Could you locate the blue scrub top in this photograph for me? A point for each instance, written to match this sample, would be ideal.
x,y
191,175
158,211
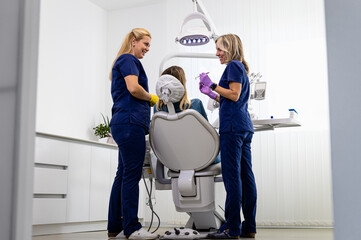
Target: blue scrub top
x,y
234,116
126,108
196,104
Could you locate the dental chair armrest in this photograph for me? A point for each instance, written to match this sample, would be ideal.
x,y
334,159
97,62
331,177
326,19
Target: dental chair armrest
x,y
211,170
186,183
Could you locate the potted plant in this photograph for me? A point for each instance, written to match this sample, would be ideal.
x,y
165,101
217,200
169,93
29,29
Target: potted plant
x,y
103,131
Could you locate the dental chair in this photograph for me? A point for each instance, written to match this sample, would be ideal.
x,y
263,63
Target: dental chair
x,y
186,144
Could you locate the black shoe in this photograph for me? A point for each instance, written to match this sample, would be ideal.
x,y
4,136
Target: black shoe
x,y
114,234
248,235
222,235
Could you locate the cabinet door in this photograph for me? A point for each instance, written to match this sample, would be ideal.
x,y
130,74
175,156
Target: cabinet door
x,y
113,166
49,210
50,181
78,183
50,151
99,183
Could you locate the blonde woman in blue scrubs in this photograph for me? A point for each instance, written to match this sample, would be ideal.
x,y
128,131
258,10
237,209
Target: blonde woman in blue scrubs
x,y
129,125
236,132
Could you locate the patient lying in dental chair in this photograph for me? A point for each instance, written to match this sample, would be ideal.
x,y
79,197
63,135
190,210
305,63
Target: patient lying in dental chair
x,y
176,72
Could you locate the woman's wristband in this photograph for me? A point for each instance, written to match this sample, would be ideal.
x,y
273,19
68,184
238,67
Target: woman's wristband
x,y
213,86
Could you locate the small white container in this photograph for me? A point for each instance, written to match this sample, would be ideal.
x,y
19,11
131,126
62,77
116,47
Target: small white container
x,y
293,113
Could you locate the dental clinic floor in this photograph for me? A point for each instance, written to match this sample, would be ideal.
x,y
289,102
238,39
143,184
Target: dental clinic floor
x,y
262,234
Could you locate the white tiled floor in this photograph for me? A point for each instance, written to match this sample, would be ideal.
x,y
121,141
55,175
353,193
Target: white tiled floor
x,y
262,234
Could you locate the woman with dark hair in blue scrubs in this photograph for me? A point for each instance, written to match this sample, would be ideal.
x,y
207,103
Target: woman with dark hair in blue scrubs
x,y
236,132
129,125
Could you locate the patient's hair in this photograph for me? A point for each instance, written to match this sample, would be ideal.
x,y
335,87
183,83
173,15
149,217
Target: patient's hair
x,y
179,74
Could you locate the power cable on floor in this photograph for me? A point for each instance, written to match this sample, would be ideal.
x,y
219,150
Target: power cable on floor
x,y
150,204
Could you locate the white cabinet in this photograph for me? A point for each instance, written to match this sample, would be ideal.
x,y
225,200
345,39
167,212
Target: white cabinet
x,y
50,181
72,180
49,210
113,167
99,184
51,151
77,209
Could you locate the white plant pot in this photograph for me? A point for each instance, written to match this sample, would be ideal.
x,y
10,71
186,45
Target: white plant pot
x,y
103,140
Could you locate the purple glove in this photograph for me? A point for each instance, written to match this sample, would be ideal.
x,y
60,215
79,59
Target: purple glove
x,y
207,91
205,79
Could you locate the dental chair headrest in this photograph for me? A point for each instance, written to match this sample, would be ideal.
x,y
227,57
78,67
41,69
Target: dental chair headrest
x,y
169,89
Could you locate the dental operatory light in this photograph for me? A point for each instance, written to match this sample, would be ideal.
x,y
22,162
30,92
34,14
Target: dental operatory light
x,y
196,36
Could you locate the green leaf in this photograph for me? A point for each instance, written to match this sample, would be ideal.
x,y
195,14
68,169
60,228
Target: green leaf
x,y
103,129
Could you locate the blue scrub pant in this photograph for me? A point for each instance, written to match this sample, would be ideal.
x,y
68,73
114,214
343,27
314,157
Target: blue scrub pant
x,y
239,182
124,198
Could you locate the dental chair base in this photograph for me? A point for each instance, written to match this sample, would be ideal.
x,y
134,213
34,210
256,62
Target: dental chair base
x,y
205,221
183,233
193,192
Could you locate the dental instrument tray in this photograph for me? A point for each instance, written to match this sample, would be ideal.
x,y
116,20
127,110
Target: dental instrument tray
x,y
271,124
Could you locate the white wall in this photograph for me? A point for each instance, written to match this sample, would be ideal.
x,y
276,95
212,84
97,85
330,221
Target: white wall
x,y
285,41
8,62
344,58
151,17
19,22
72,82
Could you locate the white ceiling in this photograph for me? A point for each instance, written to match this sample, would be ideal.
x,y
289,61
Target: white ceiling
x,y
117,4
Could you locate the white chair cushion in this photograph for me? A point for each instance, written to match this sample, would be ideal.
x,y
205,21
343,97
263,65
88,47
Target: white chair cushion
x,y
183,141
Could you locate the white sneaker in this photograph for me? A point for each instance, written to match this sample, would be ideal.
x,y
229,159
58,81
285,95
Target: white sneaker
x,y
143,234
119,236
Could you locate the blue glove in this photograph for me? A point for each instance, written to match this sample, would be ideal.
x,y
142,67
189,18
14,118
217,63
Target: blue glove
x,y
205,79
207,91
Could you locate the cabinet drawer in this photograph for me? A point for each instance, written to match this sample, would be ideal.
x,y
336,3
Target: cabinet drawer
x,y
49,210
50,151
50,181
